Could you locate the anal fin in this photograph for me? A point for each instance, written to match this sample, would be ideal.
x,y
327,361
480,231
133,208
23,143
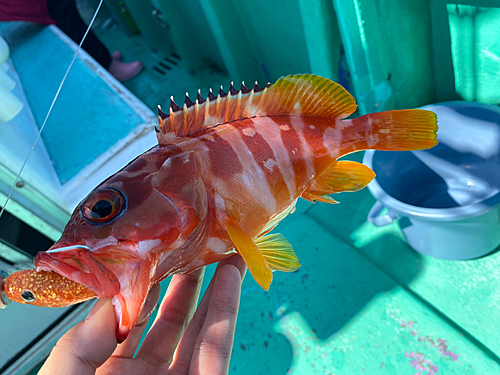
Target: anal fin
x,y
315,196
250,253
278,252
343,176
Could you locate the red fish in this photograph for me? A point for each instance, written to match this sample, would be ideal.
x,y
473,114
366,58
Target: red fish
x,y
226,171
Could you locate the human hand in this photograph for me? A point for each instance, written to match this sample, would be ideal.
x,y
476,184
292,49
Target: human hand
x,y
182,340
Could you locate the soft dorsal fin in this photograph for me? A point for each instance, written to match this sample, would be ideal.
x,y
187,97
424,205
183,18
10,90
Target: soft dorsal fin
x,y
302,94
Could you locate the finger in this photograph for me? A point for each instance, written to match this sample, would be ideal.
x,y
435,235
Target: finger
x,y
215,342
237,261
184,352
129,346
175,312
86,346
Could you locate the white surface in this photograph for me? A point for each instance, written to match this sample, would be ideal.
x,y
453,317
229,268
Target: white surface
x,y
11,105
4,50
5,81
124,151
16,139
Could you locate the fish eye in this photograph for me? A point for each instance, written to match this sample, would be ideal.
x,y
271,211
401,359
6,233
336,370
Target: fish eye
x,y
103,206
28,296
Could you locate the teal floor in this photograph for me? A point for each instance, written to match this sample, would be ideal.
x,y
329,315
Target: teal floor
x,y
365,302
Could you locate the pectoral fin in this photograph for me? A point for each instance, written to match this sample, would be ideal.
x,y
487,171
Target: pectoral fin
x,y
248,250
342,176
278,252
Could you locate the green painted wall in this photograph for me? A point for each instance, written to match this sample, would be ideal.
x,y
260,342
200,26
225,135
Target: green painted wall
x,y
322,37
258,40
276,36
388,43
388,49
157,33
475,49
465,49
191,33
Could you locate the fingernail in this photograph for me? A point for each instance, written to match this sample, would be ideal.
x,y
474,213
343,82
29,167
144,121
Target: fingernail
x,y
243,275
99,304
144,319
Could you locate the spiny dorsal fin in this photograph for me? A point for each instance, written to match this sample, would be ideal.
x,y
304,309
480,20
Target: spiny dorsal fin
x,y
302,94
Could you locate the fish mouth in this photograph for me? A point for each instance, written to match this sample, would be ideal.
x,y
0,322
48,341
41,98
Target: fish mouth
x,y
114,271
79,264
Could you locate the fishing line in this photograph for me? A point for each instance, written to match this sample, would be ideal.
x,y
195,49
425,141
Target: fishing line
x,y
50,108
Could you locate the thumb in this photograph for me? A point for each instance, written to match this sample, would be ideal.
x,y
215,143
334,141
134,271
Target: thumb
x,y
86,346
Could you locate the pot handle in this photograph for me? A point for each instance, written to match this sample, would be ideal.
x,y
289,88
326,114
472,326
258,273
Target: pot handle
x,y
375,217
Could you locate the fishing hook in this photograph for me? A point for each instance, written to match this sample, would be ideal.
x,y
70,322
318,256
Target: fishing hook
x,y
4,300
67,248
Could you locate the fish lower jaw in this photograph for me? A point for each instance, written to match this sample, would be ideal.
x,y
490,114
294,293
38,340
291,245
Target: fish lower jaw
x,y
71,277
93,276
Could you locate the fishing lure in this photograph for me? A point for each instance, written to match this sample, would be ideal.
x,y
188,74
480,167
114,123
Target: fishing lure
x,y
44,288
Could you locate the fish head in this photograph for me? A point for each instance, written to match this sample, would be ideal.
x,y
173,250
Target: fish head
x,y
117,234
158,201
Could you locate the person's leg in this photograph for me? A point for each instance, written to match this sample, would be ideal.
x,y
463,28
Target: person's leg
x,y
67,18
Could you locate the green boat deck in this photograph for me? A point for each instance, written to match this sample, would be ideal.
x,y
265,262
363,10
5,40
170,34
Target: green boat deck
x,y
364,302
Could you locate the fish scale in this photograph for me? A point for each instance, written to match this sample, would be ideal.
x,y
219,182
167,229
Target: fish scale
x,y
263,153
